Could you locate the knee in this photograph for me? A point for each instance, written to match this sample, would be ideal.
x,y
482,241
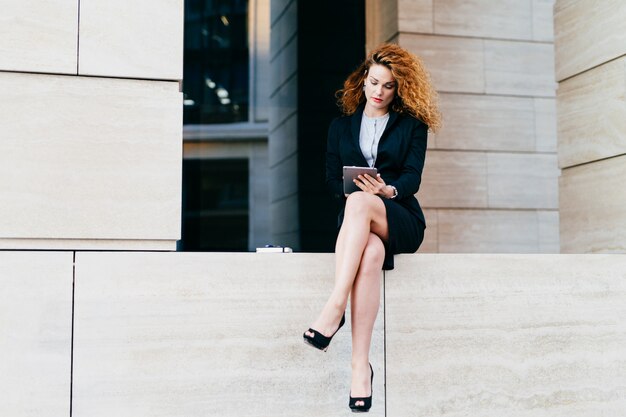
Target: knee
x,y
374,254
360,202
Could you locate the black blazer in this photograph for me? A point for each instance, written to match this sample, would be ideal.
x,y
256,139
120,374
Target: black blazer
x,y
400,158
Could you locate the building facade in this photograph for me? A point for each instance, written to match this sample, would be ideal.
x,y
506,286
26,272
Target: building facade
x,y
490,182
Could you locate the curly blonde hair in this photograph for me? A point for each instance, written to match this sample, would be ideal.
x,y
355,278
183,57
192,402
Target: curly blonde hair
x,y
414,93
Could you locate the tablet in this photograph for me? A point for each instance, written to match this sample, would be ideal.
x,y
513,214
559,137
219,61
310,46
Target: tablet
x,y
350,173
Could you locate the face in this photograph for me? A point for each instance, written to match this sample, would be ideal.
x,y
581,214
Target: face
x,y
380,89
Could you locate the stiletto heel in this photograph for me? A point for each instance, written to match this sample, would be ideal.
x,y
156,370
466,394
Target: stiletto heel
x,y
318,340
367,401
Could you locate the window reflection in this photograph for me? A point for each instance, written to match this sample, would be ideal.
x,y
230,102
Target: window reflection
x,y
215,79
215,205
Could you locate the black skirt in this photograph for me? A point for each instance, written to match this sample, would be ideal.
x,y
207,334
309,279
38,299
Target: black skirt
x,y
406,232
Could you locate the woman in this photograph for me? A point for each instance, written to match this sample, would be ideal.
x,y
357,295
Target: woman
x,y
388,105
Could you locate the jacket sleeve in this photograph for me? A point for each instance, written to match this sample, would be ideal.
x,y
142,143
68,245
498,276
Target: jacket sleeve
x,y
411,176
334,166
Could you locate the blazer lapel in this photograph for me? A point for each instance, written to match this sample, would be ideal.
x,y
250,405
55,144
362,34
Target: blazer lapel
x,y
355,129
393,116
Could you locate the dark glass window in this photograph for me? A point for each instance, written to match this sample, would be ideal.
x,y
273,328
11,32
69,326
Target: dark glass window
x,y
215,75
215,205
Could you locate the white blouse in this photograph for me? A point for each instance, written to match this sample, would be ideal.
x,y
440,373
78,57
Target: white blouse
x,y
372,129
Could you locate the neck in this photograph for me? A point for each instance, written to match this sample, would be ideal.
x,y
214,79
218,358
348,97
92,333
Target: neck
x,y
373,112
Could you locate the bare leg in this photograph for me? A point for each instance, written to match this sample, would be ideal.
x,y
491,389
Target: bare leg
x,y
365,303
364,214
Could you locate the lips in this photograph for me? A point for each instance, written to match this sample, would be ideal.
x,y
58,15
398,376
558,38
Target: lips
x,y
377,100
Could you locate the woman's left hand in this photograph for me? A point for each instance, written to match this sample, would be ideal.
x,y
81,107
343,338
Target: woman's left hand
x,y
371,185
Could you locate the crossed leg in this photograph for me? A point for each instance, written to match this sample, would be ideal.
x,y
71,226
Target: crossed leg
x,y
365,301
359,258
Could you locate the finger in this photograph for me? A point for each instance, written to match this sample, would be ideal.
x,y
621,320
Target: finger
x,y
372,185
363,180
370,179
360,184
364,186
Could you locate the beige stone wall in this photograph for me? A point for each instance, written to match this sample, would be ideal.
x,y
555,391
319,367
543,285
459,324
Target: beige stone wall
x,y
90,124
505,335
35,333
219,334
207,335
591,71
491,178
283,127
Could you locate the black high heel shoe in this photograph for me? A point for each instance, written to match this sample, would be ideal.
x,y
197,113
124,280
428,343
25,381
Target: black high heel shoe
x,y
367,401
320,341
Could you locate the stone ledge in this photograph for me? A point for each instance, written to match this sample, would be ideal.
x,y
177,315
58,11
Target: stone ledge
x,y
196,334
